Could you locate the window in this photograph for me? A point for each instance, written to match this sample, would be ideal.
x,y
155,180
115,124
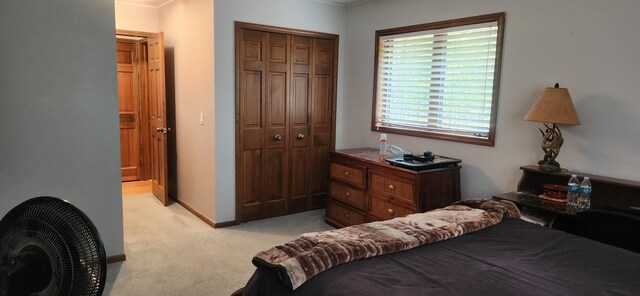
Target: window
x,y
440,80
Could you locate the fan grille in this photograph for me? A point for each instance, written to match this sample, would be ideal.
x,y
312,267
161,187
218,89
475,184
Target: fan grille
x,y
66,235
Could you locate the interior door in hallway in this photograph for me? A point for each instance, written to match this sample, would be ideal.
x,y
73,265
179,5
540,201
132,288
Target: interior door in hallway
x,y
129,107
158,117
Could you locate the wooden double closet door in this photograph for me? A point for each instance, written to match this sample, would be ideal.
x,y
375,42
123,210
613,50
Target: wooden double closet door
x,y
285,119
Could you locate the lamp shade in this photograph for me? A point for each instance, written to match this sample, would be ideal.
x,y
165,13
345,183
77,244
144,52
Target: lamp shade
x,y
554,106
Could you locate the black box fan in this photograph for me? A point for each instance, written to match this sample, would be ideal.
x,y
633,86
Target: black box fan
x,y
49,247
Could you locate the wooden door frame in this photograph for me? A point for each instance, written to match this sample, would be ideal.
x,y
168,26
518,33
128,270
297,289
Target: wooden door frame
x,y
239,26
143,103
133,33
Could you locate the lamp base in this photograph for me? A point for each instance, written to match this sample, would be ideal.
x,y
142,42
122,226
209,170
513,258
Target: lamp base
x,y
549,168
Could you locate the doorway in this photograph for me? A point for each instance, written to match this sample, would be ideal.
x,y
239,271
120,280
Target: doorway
x,y
133,108
142,109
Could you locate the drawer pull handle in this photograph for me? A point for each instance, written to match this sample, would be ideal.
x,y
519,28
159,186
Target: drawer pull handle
x,y
390,211
347,194
391,187
346,173
277,138
347,216
300,136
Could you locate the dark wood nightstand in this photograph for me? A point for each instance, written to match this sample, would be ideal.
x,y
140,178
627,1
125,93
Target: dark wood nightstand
x,y
608,193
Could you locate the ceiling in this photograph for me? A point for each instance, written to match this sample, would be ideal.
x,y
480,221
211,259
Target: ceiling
x,y
154,3
158,3
343,2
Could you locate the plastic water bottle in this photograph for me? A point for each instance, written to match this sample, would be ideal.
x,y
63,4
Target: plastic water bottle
x,y
584,199
383,144
573,190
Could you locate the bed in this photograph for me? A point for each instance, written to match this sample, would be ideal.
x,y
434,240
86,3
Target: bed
x,y
512,257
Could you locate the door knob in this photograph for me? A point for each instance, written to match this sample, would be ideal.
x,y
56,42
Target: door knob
x,y
300,136
277,137
163,130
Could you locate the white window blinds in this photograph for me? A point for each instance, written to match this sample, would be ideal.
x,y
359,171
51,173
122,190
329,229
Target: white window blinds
x,y
439,81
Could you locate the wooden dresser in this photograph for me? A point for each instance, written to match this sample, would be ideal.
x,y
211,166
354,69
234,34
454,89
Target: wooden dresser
x,y
365,188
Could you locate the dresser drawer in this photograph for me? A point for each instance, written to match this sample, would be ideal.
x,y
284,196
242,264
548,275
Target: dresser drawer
x,y
348,195
343,215
384,209
353,175
402,191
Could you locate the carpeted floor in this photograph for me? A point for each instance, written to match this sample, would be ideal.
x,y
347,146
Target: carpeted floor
x,y
171,252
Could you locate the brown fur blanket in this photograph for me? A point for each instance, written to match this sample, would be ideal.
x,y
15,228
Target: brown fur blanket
x,y
311,253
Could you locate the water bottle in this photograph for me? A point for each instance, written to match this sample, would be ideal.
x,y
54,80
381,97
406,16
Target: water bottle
x,y
584,199
573,189
383,144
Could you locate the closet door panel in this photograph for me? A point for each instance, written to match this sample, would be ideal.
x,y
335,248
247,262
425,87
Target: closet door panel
x,y
251,125
300,124
321,120
298,197
251,191
299,116
275,180
299,108
251,96
276,110
319,181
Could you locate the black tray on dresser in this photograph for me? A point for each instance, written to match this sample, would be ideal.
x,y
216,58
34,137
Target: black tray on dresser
x,y
417,165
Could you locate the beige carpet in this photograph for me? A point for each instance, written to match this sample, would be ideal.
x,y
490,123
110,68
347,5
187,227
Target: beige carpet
x,y
171,252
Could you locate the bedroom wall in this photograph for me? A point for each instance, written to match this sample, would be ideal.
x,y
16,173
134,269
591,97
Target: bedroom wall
x,y
300,14
137,17
590,47
188,30
59,106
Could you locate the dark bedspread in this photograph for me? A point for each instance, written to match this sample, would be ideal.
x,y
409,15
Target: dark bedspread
x,y
511,258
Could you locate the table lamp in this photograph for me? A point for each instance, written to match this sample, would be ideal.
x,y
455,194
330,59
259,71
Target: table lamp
x,y
555,107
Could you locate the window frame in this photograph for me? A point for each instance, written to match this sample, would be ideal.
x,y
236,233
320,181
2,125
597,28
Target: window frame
x,y
490,141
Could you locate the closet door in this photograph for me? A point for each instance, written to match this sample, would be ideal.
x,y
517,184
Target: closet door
x,y
250,126
300,161
275,110
285,84
263,120
322,121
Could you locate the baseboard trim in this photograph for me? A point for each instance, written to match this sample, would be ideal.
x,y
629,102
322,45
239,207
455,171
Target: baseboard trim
x,y
194,211
225,224
201,216
116,258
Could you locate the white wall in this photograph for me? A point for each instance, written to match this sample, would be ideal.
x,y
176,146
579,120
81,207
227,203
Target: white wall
x,y
188,31
137,17
590,47
299,14
59,109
